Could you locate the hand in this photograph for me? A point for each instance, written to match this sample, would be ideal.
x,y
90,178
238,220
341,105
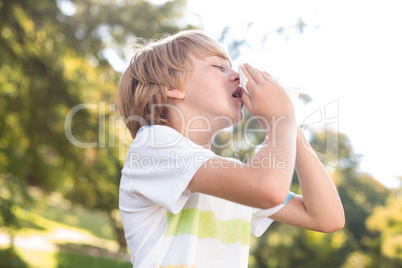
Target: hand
x,y
267,98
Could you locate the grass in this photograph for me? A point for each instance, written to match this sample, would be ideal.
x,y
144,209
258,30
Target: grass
x,y
10,258
68,260
38,258
60,259
55,235
95,222
54,207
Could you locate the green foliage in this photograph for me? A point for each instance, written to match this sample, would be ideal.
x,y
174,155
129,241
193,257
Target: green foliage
x,y
95,222
10,259
287,246
12,194
386,224
67,260
359,193
356,245
36,92
53,61
75,232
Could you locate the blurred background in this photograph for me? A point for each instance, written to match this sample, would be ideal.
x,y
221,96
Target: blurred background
x,y
63,144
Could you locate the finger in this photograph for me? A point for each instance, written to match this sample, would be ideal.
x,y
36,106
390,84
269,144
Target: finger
x,y
251,83
267,74
268,77
264,75
254,73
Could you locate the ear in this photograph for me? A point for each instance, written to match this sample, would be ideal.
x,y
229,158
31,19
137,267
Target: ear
x,y
174,93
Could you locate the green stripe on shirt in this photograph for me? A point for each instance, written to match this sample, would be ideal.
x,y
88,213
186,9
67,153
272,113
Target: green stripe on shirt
x,y
205,225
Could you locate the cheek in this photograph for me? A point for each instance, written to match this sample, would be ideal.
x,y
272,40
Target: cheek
x,y
216,87
207,87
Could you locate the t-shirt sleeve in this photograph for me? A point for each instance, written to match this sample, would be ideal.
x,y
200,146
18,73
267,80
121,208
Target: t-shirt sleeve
x,y
260,221
160,170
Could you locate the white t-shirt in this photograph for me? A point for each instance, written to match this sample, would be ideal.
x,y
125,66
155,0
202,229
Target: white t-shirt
x,y
165,224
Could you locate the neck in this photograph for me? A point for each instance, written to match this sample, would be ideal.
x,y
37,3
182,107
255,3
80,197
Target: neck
x,y
199,131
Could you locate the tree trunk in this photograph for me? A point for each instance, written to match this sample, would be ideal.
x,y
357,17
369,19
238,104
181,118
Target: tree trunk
x,y
115,219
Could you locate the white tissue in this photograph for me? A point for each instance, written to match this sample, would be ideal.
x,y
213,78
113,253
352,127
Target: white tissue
x,y
292,92
243,80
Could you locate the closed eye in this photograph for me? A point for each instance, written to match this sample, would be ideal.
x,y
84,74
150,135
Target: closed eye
x,y
220,67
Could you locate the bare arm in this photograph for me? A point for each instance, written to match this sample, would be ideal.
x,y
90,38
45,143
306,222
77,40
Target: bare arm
x,y
254,183
320,207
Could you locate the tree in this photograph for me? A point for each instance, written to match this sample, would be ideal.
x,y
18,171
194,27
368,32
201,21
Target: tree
x,y
386,224
54,58
288,246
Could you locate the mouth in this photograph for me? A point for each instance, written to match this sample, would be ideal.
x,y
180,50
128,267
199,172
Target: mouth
x,y
237,93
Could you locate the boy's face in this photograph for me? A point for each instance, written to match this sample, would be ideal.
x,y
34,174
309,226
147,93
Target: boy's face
x,y
209,87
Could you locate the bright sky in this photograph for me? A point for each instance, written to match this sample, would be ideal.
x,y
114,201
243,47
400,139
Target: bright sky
x,y
349,58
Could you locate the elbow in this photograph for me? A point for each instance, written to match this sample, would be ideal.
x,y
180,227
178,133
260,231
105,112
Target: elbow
x,y
332,228
336,224
272,188
280,196
273,198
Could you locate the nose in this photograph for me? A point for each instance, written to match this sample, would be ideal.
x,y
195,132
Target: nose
x,y
234,77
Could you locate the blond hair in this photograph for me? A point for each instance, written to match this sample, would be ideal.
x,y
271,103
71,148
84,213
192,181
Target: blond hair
x,y
153,69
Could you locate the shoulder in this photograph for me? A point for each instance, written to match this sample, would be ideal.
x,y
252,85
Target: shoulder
x,y
163,149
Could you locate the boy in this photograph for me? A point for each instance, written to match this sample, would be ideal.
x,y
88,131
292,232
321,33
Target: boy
x,y
184,206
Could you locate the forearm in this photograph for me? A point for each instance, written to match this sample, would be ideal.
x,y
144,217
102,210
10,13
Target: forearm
x,y
275,161
320,197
